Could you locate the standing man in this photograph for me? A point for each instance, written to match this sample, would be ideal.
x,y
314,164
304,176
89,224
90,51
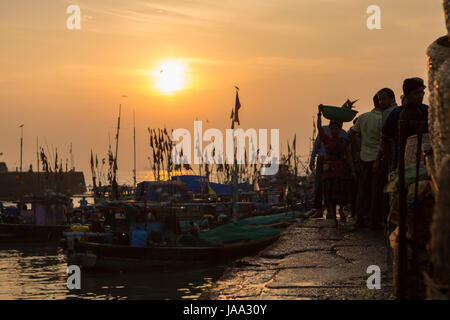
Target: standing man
x,y
319,151
356,164
413,90
83,206
369,127
386,98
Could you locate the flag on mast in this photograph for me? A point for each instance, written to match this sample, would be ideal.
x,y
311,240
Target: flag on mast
x,y
237,106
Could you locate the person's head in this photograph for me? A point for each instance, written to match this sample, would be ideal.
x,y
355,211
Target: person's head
x,y
414,90
402,99
386,97
376,103
335,127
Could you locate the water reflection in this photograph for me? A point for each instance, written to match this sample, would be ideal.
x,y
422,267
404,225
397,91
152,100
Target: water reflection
x,y
38,271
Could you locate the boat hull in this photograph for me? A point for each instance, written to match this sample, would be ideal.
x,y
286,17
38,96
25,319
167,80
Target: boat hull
x,y
106,257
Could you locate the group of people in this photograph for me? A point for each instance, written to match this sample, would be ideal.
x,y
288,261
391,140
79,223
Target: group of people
x,y
352,168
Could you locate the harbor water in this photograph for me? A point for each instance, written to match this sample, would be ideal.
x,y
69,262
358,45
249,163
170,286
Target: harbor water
x,y
38,271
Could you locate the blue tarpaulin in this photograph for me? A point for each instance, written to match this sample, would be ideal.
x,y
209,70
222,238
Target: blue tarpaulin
x,y
193,183
221,189
157,191
196,183
151,190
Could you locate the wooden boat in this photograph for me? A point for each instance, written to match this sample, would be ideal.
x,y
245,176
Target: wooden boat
x,y
29,232
94,251
98,256
38,219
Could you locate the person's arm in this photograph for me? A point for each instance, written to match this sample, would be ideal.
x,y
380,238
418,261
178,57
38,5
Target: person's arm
x,y
382,151
388,132
344,134
314,153
349,159
353,135
376,163
390,126
322,135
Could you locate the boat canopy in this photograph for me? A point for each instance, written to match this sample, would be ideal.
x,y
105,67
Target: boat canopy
x,y
179,185
224,189
159,190
193,183
132,212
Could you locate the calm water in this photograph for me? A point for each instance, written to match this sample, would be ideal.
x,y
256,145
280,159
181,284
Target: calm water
x,y
38,271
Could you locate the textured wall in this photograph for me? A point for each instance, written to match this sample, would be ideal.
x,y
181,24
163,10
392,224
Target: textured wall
x,y
439,124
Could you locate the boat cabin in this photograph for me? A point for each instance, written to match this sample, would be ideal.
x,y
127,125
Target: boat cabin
x,y
159,191
43,211
157,224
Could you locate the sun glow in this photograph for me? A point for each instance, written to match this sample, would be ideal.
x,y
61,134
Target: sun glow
x,y
170,76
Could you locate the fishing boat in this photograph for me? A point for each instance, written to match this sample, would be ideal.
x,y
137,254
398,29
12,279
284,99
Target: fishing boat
x,y
90,255
139,238
36,219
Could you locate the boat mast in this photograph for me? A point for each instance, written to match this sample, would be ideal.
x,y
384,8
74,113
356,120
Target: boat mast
x,y
72,168
134,143
37,162
114,183
311,142
21,146
235,170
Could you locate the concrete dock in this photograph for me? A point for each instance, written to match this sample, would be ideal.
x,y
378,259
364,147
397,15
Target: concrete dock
x,y
311,260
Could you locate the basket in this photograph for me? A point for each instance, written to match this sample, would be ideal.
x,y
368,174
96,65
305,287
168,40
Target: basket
x,y
338,113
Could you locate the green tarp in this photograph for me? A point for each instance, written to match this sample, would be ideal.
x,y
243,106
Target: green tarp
x,y
269,219
246,229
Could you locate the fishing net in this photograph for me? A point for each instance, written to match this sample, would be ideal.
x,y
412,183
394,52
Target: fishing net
x,y
269,219
246,229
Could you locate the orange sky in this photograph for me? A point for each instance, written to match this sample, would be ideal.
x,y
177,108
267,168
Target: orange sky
x,y
287,56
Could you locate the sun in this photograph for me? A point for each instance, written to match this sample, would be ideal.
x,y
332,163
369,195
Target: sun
x,y
170,76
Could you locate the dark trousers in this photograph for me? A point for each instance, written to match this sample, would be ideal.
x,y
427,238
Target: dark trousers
x,y
370,199
318,185
384,174
353,198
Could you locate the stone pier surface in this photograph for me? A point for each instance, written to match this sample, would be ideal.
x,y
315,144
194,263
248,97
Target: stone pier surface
x,y
311,260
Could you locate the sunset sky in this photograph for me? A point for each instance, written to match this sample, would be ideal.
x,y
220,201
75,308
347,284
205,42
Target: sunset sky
x,y
287,56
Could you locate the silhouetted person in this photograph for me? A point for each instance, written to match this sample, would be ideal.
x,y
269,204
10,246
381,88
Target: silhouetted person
x,y
414,91
369,126
317,164
338,169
